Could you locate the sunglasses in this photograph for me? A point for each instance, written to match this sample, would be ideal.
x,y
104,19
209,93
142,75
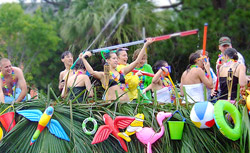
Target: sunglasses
x,y
168,67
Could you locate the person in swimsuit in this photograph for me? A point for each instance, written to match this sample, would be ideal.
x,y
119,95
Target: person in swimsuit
x,y
194,77
238,70
12,82
116,79
67,59
79,82
160,83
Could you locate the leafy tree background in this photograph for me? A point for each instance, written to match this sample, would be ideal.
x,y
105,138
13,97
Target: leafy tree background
x,y
37,38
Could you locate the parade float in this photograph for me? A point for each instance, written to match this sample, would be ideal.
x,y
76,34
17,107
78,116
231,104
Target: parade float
x,y
96,126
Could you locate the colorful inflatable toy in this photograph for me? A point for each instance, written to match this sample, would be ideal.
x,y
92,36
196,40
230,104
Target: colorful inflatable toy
x,y
135,126
111,126
44,119
1,133
148,136
248,99
202,115
89,119
219,108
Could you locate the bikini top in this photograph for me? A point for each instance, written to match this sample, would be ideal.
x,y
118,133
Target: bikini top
x,y
112,82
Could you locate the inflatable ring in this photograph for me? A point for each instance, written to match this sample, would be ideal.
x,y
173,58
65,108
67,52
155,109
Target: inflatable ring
x,y
219,117
84,126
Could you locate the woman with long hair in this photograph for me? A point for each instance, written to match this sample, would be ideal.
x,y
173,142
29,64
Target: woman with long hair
x,y
116,78
161,84
238,71
79,82
194,78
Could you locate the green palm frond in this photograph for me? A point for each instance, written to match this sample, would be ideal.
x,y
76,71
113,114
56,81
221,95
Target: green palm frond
x,y
71,117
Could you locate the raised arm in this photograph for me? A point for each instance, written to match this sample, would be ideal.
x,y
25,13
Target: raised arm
x,y
21,83
1,92
96,74
129,68
207,81
156,77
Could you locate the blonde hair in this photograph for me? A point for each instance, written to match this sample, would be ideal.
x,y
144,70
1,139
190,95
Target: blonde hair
x,y
3,60
136,53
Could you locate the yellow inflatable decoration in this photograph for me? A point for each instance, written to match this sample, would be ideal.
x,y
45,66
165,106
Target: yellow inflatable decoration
x,y
248,100
132,81
1,133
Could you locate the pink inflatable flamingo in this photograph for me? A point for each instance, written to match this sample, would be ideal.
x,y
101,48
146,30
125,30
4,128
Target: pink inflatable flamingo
x,y
148,136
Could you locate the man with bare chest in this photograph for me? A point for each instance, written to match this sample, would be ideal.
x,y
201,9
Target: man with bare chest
x,y
12,82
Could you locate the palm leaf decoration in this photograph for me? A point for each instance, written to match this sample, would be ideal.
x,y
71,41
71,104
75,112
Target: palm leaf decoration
x,y
71,116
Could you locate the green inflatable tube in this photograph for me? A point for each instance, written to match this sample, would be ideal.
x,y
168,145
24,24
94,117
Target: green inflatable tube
x,y
219,117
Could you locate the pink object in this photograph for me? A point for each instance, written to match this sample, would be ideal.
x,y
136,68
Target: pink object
x,y
111,126
6,120
144,73
148,136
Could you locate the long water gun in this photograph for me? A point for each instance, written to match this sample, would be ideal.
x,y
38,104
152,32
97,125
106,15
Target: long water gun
x,y
159,38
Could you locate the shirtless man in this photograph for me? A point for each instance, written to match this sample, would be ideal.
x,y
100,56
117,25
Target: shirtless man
x,y
67,59
11,79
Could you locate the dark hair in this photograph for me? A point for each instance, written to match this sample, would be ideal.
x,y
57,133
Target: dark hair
x,y
79,65
231,53
107,56
158,65
118,51
192,59
65,54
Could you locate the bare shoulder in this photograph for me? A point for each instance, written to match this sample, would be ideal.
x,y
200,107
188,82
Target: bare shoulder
x,y
242,66
83,76
184,74
17,70
197,70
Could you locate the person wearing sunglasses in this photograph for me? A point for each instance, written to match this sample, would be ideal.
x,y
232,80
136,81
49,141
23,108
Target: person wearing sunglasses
x,y
213,75
116,78
161,84
194,78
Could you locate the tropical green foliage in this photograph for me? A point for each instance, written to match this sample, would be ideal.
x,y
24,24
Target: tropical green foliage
x,y
71,116
27,40
79,22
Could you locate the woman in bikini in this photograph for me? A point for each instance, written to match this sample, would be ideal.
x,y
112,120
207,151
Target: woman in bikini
x,y
79,82
116,79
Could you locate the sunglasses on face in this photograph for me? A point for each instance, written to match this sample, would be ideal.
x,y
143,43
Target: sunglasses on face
x,y
168,67
202,58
